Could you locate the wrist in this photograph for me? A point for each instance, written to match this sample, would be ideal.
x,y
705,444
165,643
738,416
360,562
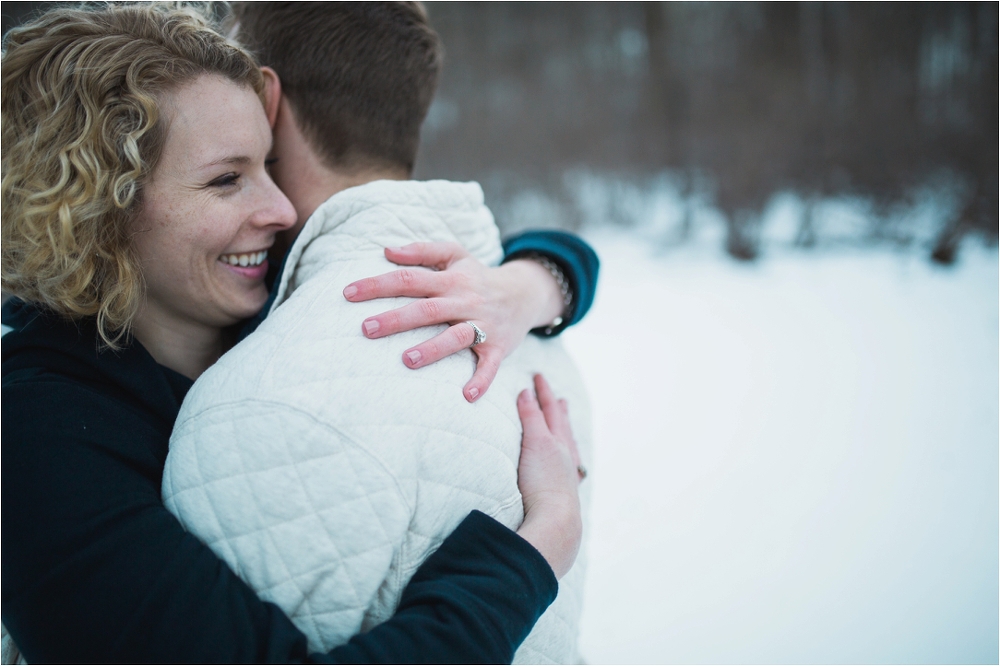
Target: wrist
x,y
566,292
540,291
555,529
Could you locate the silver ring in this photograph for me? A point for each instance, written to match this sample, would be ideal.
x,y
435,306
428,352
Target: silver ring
x,y
480,336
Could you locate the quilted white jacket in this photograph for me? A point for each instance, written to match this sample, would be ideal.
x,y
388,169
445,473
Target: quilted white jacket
x,y
324,471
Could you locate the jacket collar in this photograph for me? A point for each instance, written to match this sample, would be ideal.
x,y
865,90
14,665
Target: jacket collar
x,y
454,203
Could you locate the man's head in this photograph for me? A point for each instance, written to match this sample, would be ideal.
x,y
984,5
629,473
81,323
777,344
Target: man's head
x,y
358,76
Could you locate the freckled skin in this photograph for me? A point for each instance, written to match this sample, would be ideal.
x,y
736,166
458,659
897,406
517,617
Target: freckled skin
x,y
209,196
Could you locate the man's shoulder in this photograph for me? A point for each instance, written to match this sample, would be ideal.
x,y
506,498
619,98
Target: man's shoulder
x,y
297,348
428,192
399,198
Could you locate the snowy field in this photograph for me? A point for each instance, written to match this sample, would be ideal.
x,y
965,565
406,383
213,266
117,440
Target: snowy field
x,y
797,460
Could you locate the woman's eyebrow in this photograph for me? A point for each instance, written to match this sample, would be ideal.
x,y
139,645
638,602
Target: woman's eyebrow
x,y
236,160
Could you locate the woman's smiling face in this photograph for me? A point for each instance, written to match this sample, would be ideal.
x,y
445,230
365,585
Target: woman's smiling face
x,y
210,210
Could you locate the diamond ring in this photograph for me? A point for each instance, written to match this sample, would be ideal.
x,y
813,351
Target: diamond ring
x,y
480,336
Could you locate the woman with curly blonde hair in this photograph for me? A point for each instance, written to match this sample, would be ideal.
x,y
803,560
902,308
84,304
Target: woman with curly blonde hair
x,y
81,134
137,216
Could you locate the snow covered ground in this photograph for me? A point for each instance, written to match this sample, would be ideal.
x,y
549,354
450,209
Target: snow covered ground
x,y
797,460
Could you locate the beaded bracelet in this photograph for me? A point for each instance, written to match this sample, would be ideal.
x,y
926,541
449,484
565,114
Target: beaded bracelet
x,y
564,287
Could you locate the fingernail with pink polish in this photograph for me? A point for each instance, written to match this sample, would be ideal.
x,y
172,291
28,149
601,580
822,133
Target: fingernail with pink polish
x,y
371,326
414,356
350,291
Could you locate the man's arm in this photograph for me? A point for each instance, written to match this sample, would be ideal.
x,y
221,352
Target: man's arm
x,y
307,517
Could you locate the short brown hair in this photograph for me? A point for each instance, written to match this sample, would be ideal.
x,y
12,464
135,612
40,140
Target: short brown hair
x,y
82,133
359,75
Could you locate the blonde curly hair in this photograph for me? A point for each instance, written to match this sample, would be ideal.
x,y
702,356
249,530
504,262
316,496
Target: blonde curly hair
x,y
81,89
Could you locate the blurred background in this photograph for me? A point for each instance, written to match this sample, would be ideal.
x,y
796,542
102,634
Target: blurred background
x,y
687,116
573,114
793,354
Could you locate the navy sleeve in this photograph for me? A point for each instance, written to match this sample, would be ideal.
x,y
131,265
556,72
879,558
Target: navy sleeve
x,y
472,601
95,569
577,260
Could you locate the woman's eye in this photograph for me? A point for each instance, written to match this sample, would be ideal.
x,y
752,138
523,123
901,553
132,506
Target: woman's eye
x,y
227,180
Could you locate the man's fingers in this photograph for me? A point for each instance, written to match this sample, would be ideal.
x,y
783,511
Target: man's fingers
x,y
412,282
432,255
452,339
425,312
486,372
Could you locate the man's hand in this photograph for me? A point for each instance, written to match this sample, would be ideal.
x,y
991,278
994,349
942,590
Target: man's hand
x,y
505,302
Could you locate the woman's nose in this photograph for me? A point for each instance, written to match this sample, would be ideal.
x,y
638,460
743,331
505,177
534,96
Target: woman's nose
x,y
276,210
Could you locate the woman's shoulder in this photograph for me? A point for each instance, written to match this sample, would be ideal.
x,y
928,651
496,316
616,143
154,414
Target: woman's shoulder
x,y
41,349
55,369
68,423
38,344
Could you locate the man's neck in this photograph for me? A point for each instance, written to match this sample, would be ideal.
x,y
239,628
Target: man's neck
x,y
331,181
306,178
319,184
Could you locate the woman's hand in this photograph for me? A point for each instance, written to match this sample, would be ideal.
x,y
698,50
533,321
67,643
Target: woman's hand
x,y
549,476
504,302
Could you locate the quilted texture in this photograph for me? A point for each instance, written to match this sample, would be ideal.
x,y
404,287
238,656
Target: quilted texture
x,y
324,471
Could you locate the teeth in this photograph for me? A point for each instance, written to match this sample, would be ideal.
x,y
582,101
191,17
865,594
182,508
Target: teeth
x,y
252,259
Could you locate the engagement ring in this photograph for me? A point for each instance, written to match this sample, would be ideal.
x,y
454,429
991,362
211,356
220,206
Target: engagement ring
x,y
480,336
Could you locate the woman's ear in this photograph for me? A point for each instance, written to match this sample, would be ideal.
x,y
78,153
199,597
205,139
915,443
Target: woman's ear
x,y
272,94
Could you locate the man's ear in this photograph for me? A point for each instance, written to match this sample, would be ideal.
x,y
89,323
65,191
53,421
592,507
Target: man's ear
x,y
272,94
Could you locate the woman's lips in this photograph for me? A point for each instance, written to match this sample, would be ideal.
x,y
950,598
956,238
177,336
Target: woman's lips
x,y
244,259
251,265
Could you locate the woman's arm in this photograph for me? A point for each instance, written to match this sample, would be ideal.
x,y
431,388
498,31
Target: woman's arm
x,y
546,283
473,601
578,261
95,568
